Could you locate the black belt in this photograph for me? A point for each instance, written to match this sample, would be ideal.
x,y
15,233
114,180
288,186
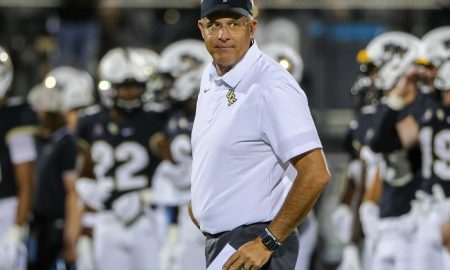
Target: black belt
x,y
213,235
216,235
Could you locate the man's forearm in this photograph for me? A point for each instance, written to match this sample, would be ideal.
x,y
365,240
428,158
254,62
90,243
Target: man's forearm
x,y
24,179
312,176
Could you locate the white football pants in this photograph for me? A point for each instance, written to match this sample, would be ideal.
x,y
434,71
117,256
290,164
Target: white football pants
x,y
307,240
117,247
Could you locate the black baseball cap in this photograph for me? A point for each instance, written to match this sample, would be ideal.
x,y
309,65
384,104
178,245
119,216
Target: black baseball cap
x,y
242,7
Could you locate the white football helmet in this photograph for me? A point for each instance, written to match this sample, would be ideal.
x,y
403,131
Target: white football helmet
x,y
125,65
392,53
442,80
436,45
6,72
287,56
183,56
42,98
186,86
282,30
77,87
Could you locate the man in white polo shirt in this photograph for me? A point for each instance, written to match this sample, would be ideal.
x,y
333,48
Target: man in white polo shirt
x,y
252,123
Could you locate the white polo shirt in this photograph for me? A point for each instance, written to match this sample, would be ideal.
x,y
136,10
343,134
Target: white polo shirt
x,y
248,125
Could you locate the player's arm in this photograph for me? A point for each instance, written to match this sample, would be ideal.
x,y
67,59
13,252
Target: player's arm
x,y
74,211
408,131
23,154
399,98
159,144
24,178
312,176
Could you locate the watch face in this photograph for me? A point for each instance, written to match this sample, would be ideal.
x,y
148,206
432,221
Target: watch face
x,y
269,243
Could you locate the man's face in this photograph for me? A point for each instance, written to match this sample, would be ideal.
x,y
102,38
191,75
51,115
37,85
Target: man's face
x,y
129,91
227,37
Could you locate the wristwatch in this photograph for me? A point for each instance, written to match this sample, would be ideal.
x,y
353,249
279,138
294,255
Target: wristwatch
x,y
270,241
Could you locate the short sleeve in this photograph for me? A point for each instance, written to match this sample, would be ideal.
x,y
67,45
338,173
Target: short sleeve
x,y
68,154
83,129
286,122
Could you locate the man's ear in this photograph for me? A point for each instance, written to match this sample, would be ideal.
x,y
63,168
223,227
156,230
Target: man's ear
x,y
201,26
253,26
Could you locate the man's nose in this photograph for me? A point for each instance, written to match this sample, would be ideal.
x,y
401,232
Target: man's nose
x,y
224,33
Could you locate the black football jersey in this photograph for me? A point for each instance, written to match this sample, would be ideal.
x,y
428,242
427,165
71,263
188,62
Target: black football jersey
x,y
401,176
423,107
179,122
56,156
121,150
360,129
434,139
16,115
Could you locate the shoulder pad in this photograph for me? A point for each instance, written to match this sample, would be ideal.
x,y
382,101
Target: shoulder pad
x,y
91,110
15,101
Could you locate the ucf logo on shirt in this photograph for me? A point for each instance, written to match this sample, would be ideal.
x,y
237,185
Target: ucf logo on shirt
x,y
231,97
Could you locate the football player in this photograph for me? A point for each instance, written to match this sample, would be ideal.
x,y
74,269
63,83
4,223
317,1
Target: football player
x,y
78,89
391,54
408,106
48,207
400,174
183,244
362,167
17,156
121,140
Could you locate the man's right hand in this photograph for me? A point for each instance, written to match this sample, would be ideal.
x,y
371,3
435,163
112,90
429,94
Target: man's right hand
x,y
92,192
406,88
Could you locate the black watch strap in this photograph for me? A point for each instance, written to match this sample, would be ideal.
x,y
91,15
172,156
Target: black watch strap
x,y
270,241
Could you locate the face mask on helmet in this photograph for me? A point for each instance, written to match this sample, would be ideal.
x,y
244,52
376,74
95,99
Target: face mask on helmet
x,y
442,80
6,72
186,86
158,87
364,93
126,68
128,95
76,85
392,53
287,57
184,56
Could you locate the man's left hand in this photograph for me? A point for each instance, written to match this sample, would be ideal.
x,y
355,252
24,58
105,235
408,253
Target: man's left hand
x,y
250,256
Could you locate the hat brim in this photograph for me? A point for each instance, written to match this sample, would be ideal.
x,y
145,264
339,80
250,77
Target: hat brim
x,y
221,7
